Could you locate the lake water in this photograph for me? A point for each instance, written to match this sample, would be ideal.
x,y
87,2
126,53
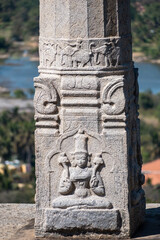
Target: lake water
x,y
149,77
19,73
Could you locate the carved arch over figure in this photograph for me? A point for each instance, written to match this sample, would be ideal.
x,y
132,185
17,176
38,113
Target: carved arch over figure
x,y
96,136
80,183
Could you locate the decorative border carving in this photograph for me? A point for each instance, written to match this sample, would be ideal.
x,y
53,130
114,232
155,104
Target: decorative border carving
x,y
79,54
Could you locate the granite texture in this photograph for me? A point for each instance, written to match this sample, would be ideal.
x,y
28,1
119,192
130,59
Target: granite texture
x,y
17,223
87,137
14,217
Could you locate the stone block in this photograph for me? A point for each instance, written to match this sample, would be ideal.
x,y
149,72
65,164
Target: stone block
x,y
68,220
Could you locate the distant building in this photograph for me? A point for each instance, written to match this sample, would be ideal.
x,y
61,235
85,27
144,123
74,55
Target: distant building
x,y
15,166
152,171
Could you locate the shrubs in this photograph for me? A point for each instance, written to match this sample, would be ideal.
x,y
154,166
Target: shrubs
x,y
150,125
145,27
4,45
19,93
21,17
17,135
146,101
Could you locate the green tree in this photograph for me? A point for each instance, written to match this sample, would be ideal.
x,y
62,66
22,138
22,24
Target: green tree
x,y
19,93
17,135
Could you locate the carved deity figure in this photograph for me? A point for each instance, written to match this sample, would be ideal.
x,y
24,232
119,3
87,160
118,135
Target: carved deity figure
x,y
81,184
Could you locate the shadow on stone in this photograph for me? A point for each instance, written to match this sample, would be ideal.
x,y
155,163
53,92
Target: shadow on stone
x,y
151,226
26,232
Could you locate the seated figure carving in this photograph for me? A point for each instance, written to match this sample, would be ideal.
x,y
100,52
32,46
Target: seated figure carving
x,y
81,185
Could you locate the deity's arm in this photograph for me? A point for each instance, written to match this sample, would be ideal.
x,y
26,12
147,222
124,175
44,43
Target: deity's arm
x,y
65,186
96,184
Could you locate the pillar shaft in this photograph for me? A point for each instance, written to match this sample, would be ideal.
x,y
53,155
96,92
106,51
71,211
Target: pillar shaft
x,y
88,160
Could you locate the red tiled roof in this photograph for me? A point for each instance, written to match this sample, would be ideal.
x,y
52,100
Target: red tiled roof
x,y
152,171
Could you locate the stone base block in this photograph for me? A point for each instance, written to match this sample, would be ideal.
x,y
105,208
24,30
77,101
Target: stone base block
x,y
57,220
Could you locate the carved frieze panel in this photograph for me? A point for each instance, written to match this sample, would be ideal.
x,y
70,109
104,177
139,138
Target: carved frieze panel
x,y
79,54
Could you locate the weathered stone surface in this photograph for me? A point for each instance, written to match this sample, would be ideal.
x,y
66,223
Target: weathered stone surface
x,y
88,220
88,155
13,217
17,223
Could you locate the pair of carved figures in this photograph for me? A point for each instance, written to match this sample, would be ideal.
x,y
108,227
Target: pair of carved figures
x,y
74,55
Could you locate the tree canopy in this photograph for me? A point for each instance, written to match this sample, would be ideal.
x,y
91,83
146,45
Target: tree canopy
x,y
21,17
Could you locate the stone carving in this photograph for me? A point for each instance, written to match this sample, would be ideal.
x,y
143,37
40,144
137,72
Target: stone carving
x,y
49,54
114,57
108,54
101,54
80,54
67,53
45,98
113,98
79,180
88,180
81,57
79,83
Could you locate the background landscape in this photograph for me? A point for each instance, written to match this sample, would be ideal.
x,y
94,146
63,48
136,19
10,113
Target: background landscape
x,y
19,20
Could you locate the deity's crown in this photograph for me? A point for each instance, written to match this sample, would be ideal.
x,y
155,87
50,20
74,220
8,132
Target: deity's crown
x,y
81,142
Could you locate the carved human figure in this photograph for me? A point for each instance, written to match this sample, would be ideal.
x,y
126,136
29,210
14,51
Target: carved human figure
x,y
50,52
113,55
101,54
81,181
67,53
81,57
81,178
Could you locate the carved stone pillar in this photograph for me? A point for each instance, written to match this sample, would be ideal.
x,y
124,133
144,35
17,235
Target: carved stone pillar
x,y
88,160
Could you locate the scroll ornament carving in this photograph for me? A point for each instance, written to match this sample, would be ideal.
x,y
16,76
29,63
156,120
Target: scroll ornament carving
x,y
113,98
80,182
45,98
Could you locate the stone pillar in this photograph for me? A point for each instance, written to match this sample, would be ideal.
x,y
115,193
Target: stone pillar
x,y
88,160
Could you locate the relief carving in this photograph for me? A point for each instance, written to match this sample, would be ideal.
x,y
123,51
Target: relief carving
x,y
113,98
81,184
80,53
114,57
50,52
82,57
101,53
108,54
79,83
67,53
45,98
